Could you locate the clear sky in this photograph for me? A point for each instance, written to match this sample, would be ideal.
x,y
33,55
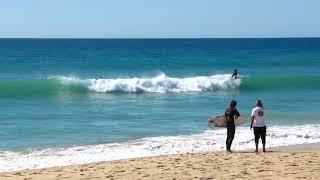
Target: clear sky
x,y
159,18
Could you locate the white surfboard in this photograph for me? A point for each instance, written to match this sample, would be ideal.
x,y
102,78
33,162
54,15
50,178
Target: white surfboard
x,y
221,121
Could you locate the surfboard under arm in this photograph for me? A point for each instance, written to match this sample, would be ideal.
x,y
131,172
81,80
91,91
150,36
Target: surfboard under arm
x,y
221,121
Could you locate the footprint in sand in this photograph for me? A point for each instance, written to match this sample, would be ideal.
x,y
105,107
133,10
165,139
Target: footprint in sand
x,y
293,165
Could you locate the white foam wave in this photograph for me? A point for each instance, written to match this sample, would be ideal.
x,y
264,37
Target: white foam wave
x,y
210,140
158,84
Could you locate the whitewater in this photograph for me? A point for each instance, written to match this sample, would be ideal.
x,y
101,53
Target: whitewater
x,y
158,84
209,140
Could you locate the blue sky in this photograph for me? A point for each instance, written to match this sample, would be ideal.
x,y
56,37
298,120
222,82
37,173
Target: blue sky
x,y
159,18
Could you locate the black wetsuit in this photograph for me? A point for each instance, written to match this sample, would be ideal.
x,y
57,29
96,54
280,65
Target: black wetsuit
x,y
235,74
231,129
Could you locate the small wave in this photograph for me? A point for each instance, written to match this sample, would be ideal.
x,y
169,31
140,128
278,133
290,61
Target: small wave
x,y
68,86
164,84
158,84
210,140
64,85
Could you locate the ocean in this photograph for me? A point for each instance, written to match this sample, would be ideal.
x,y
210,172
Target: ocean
x,y
71,101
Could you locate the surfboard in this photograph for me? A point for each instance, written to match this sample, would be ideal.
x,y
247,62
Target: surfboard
x,y
221,121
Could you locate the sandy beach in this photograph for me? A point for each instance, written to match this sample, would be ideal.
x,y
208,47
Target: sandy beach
x,y
292,162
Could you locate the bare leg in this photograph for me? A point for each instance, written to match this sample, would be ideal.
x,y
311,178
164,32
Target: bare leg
x,y
257,144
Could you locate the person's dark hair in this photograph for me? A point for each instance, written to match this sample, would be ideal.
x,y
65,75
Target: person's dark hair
x,y
233,103
259,103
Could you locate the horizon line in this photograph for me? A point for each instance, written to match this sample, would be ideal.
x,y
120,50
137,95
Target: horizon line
x,y
289,37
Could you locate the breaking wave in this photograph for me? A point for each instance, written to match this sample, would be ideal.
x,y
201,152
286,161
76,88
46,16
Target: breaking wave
x,y
56,85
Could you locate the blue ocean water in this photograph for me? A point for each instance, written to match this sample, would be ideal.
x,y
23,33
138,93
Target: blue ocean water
x,y
68,101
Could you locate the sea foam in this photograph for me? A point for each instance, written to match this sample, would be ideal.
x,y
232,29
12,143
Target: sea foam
x,y
158,84
209,140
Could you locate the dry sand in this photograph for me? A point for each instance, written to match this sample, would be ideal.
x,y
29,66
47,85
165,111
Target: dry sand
x,y
294,162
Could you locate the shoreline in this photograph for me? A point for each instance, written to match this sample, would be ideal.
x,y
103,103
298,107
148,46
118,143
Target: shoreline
x,y
311,147
276,162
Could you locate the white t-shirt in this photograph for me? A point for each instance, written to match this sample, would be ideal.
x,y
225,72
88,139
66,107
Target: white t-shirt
x,y
259,117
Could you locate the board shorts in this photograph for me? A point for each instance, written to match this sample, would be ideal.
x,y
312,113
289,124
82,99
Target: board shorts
x,y
260,132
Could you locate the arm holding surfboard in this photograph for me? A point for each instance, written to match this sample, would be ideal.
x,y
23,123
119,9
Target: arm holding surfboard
x,y
237,114
231,117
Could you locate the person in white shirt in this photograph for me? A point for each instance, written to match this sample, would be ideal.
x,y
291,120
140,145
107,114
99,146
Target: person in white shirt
x,y
258,122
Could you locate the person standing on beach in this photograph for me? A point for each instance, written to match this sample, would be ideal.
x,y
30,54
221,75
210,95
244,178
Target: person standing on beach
x,y
235,74
259,125
231,114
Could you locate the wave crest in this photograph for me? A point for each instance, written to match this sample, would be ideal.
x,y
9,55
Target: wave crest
x,y
158,84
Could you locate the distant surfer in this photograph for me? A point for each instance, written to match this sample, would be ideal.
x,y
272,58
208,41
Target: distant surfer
x,y
231,113
259,125
235,74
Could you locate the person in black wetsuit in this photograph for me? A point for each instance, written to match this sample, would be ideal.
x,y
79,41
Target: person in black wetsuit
x,y
231,113
235,74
